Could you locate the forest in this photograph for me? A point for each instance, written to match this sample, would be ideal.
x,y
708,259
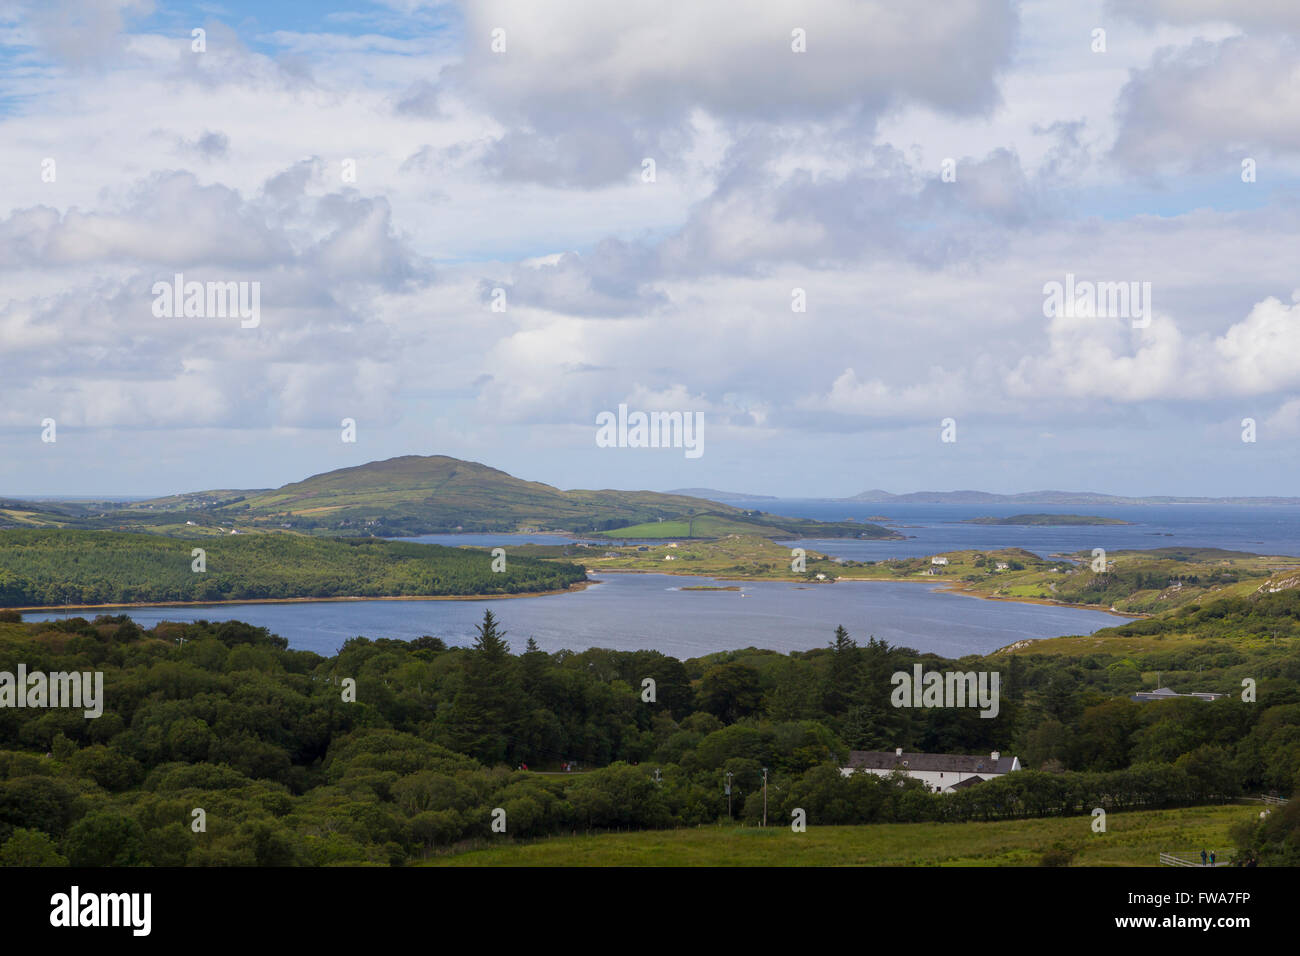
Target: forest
x,y
49,568
391,751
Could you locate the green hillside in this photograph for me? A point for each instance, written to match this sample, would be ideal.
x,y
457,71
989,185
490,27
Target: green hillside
x,y
429,495
45,568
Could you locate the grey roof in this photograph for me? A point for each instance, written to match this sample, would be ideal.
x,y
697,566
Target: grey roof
x,y
946,763
1164,693
968,782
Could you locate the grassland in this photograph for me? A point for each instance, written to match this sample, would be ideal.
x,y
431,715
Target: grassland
x,y
705,526
1132,839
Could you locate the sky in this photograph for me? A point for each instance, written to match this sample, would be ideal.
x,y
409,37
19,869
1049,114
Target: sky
x,y
472,228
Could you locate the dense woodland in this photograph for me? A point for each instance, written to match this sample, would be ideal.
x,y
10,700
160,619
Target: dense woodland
x,y
45,568
225,718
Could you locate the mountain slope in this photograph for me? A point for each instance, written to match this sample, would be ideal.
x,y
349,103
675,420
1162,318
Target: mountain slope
x,y
426,495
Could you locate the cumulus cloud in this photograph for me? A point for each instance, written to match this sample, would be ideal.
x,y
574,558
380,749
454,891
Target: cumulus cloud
x,y
83,33
1106,359
776,170
588,89
1212,103
1261,15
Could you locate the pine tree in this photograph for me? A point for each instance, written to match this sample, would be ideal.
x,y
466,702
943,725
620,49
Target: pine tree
x,y
485,708
844,681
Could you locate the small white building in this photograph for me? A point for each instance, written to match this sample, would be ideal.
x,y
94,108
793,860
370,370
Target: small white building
x,y
1164,693
942,773
939,560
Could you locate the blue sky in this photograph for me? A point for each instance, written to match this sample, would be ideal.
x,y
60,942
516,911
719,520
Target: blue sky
x,y
379,171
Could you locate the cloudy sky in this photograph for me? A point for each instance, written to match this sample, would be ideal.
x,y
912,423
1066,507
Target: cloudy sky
x,y
380,170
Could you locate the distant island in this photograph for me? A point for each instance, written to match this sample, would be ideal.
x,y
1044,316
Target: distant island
x,y
1046,519
713,494
876,496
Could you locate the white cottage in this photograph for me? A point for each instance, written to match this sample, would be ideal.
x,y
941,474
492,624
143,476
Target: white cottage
x,y
940,772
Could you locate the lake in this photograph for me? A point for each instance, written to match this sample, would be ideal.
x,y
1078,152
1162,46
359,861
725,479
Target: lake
x,y
636,611
932,529
935,528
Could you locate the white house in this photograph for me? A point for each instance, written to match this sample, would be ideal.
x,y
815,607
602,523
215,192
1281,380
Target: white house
x,y
938,560
1164,693
943,773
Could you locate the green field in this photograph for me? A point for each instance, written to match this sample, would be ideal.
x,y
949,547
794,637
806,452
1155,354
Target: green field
x,y
705,526
1132,839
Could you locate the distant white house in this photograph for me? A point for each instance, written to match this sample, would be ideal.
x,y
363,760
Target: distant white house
x,y
1164,693
1002,566
943,773
670,557
938,560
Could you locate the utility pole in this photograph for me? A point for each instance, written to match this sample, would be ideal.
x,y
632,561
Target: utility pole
x,y
728,788
764,796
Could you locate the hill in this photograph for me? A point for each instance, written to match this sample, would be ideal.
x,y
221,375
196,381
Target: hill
x,y
714,495
414,495
429,495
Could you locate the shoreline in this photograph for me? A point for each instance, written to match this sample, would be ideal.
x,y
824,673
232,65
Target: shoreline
x,y
580,586
951,588
938,587
1126,615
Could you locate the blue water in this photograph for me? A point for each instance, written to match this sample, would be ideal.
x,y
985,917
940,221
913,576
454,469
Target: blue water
x,y
932,529
636,611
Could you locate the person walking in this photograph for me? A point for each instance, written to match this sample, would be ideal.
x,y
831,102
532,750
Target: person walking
x,y
1212,863
1202,858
